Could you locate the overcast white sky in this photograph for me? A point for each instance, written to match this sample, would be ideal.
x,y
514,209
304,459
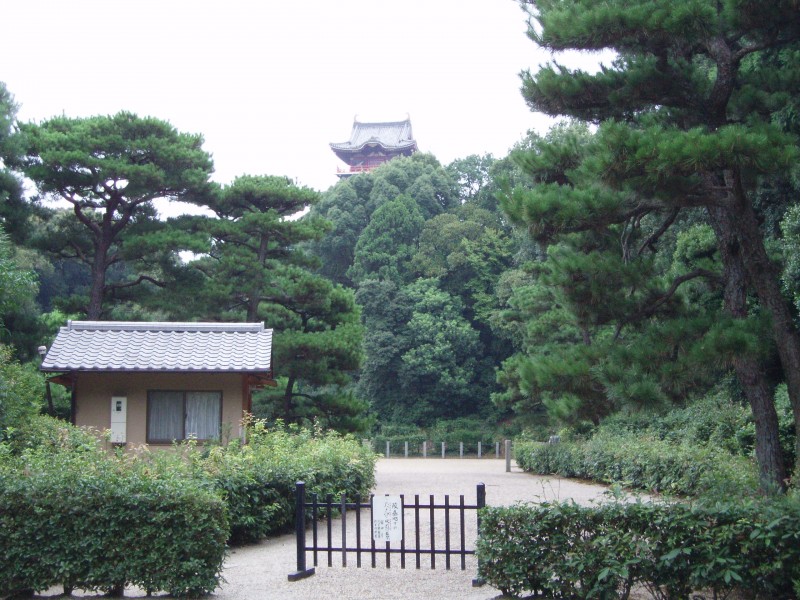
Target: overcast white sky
x,y
270,83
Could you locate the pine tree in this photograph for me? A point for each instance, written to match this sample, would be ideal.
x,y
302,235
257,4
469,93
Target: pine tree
x,y
686,123
110,169
257,269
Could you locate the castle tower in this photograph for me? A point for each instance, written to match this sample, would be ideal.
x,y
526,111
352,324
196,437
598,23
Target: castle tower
x,y
372,144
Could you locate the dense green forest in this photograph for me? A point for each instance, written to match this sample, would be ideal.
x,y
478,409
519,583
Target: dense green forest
x,y
640,256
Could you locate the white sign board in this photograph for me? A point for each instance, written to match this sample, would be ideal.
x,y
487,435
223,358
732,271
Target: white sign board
x,y
387,518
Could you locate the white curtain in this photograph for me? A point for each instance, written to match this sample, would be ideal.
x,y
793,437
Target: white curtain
x,y
165,416
203,415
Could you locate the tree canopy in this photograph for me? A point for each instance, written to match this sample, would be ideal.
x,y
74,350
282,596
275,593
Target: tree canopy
x,y
686,130
110,169
257,268
13,208
253,239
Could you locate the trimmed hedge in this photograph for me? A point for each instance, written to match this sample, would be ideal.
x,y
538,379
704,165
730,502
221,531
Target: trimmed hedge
x,y
98,522
563,550
75,515
646,463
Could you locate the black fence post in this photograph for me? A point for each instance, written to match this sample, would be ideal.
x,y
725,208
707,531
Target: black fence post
x,y
300,531
478,581
303,548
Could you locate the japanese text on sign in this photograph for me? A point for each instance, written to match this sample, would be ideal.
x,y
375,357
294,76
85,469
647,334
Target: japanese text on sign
x,y
387,518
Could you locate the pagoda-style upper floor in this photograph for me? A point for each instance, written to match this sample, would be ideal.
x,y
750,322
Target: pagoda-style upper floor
x,y
372,144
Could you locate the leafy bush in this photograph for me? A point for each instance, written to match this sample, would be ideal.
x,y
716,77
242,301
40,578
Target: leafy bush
x,y
466,430
645,463
786,429
21,393
96,521
75,515
397,435
704,448
562,550
48,434
549,459
470,431
714,420
258,479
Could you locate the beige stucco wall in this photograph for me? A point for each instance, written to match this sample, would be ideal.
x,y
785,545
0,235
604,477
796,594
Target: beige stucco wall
x,y
94,392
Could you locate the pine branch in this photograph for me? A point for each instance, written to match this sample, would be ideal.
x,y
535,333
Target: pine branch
x,y
650,310
137,281
650,241
78,210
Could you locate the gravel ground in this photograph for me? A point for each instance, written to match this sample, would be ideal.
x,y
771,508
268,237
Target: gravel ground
x,y
260,571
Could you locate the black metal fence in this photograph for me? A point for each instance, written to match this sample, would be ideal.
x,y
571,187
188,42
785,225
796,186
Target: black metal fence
x,y
425,531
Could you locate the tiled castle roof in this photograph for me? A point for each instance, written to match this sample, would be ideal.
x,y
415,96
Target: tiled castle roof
x,y
394,135
153,346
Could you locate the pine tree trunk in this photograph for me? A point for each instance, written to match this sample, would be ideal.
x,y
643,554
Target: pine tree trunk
x,y
764,278
252,307
749,373
99,265
772,470
254,297
287,400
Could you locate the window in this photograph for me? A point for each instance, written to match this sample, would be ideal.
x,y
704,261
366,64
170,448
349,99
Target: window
x,y
179,415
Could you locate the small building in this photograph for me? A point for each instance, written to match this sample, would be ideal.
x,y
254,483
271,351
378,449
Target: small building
x,y
154,383
372,144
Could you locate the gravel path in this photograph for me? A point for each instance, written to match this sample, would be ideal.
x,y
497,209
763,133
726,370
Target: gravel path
x,y
260,571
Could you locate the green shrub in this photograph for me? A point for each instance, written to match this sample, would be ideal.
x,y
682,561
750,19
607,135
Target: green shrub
x,y
467,430
705,448
562,550
644,463
76,515
786,430
397,435
712,421
21,393
97,521
549,459
470,431
258,479
554,551
48,434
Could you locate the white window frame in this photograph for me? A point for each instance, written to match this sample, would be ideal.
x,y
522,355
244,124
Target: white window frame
x,y
185,399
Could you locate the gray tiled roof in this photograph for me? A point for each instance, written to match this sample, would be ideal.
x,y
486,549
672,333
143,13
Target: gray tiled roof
x,y
395,135
128,346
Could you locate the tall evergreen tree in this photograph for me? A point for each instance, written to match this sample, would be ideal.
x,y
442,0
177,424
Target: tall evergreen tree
x,y
255,237
13,208
386,246
685,123
110,169
257,269
318,348
17,285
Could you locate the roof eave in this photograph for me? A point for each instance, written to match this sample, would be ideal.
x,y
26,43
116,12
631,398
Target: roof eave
x,y
339,151
65,369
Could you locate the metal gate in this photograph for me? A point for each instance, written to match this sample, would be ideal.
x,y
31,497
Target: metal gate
x,y
387,523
